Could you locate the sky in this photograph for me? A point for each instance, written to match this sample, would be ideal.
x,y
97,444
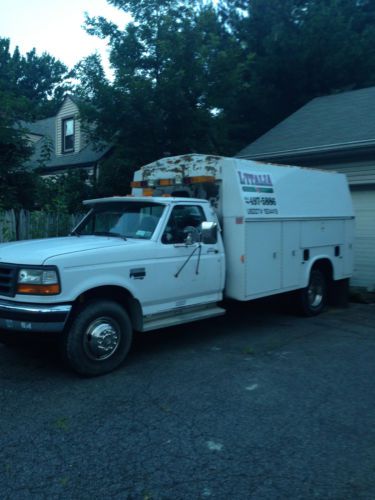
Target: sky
x,y
55,26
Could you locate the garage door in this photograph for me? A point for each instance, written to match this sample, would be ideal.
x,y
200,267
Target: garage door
x,y
364,260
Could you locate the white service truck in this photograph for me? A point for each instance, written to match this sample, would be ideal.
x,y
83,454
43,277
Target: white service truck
x,y
195,230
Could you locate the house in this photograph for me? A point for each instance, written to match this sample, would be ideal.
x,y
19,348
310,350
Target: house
x,y
61,145
336,132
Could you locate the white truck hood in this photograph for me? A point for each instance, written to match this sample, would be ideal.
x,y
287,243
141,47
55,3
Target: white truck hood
x,y
36,252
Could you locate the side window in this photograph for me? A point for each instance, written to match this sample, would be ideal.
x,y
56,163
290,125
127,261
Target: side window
x,y
68,135
182,217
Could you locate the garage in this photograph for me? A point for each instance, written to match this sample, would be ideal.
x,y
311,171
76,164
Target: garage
x,y
364,259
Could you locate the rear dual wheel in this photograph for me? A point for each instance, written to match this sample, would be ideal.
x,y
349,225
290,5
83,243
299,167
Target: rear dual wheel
x,y
98,339
313,298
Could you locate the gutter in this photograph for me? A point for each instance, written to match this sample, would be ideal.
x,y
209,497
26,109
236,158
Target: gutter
x,y
339,147
66,167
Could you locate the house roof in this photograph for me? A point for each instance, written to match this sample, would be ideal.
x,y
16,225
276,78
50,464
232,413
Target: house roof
x,y
41,127
46,128
331,123
86,157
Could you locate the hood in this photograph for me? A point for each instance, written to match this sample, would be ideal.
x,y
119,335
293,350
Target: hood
x,y
36,252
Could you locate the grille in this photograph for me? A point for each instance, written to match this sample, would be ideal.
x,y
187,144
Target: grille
x,y
8,274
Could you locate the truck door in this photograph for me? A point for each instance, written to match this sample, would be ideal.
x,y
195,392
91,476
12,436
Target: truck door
x,y
187,274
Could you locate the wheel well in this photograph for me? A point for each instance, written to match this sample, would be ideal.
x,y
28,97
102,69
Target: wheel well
x,y
117,294
325,266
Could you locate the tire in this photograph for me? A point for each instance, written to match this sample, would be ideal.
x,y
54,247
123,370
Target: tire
x,y
98,339
10,339
313,298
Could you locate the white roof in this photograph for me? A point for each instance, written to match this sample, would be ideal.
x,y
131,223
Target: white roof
x,y
147,199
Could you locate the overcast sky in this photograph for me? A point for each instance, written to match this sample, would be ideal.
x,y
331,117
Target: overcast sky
x,y
55,26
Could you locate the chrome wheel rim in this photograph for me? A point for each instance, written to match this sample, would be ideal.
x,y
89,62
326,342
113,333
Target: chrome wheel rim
x,y
102,338
315,293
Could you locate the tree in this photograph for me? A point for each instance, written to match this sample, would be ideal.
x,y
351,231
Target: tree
x,y
173,67
300,49
43,80
14,149
193,77
30,87
64,193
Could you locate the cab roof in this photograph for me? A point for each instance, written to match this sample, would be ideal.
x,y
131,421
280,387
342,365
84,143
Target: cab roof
x,y
146,199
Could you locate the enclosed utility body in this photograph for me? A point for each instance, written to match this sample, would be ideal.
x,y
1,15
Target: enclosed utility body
x,y
278,222
196,229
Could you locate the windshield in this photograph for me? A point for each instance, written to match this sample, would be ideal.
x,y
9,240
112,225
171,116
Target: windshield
x,y
125,220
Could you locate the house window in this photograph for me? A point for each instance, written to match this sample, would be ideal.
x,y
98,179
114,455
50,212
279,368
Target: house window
x,y
68,135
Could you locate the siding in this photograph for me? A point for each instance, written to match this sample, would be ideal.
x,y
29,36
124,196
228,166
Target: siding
x,y
357,173
364,250
68,109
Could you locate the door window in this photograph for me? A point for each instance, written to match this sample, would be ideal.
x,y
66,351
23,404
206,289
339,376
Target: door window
x,y
182,217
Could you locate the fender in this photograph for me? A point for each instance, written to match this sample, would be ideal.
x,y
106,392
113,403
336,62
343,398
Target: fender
x,y
316,260
98,281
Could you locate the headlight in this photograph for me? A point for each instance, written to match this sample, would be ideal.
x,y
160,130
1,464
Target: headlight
x,y
38,281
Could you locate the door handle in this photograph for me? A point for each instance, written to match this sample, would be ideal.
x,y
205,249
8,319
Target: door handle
x,y
212,250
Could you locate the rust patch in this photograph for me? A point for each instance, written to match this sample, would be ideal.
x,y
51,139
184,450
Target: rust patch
x,y
187,158
213,158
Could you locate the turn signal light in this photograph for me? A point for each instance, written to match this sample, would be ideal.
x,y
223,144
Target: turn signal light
x,y
148,192
166,182
39,289
139,184
199,178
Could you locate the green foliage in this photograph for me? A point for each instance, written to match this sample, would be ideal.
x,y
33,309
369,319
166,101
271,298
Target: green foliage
x,y
64,193
14,149
30,87
116,173
301,49
168,88
190,76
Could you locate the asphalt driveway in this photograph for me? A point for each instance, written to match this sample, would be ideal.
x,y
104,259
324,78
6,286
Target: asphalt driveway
x,y
258,404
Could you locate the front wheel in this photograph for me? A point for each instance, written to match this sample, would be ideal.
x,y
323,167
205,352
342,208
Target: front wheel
x,y
313,298
99,338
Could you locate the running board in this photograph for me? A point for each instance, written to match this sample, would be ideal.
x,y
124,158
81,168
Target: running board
x,y
180,317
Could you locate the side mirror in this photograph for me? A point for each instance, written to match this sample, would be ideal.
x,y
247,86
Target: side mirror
x,y
208,232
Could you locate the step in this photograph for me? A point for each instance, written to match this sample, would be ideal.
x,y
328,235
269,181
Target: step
x,y
180,317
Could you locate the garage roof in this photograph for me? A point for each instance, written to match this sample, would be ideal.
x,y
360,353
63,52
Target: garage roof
x,y
327,123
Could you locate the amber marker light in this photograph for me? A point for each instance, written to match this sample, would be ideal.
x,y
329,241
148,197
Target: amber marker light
x,y
166,182
148,192
198,179
39,289
138,184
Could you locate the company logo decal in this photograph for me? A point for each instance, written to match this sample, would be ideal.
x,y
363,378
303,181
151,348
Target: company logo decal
x,y
256,183
258,194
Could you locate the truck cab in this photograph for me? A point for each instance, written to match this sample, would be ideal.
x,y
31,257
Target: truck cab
x,y
132,263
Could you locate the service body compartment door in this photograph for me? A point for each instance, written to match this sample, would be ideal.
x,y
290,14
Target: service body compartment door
x,y
291,268
263,257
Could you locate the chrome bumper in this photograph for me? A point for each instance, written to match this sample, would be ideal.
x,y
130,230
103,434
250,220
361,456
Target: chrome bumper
x,y
33,317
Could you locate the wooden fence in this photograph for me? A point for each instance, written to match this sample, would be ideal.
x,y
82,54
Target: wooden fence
x,y
24,225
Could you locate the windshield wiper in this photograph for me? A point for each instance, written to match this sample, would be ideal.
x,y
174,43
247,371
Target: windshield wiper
x,y
108,233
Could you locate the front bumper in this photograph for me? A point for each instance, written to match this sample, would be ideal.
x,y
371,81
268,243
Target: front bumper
x,y
23,317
